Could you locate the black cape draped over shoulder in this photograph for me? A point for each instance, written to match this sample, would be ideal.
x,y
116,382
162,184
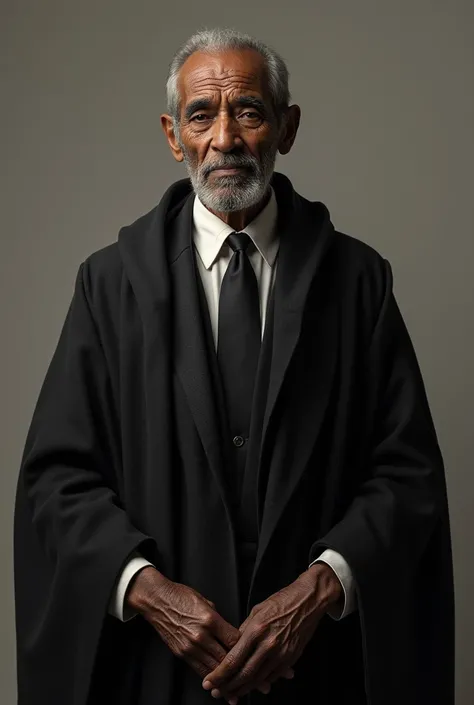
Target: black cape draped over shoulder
x,y
125,452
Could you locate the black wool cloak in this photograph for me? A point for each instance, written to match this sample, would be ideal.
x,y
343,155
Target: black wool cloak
x,y
125,451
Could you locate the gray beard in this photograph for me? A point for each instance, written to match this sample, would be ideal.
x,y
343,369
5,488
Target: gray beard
x,y
235,192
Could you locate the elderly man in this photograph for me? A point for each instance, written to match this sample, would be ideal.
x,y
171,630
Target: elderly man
x,y
232,486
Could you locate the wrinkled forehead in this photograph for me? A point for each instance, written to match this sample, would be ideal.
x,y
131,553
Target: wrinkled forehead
x,y
231,72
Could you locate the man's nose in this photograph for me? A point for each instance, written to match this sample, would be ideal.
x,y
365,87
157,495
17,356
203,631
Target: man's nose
x,y
225,136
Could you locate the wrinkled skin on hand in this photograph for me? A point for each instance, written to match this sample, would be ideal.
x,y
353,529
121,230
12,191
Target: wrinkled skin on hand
x,y
186,621
275,634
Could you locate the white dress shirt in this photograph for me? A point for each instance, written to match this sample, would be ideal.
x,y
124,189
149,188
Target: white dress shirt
x,y
212,257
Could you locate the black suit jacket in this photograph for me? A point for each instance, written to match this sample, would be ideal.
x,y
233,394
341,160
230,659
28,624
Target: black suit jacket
x,y
126,450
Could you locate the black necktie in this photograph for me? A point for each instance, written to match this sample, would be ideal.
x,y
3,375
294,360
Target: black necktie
x,y
239,334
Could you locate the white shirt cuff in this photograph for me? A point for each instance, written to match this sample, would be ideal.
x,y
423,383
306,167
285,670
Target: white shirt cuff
x,y
340,566
117,606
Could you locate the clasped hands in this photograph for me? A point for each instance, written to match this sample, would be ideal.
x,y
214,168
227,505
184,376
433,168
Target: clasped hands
x,y
274,635
233,662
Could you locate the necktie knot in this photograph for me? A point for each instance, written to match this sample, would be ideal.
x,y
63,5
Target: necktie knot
x,y
238,241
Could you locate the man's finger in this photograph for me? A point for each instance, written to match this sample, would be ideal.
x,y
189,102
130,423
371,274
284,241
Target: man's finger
x,y
215,650
227,634
284,670
269,673
234,660
244,624
260,663
201,661
205,656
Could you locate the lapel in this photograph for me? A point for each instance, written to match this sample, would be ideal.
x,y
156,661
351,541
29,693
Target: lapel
x,y
158,259
305,233
193,355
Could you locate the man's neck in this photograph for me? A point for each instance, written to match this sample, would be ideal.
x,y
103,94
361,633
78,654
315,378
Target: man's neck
x,y
238,220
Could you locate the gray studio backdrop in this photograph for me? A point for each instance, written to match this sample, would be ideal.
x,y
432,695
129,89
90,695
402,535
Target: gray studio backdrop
x,y
386,141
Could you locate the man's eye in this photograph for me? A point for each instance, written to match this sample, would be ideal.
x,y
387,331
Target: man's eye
x,y
251,115
200,117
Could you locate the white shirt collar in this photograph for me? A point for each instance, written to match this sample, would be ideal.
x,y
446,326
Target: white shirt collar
x,y
210,232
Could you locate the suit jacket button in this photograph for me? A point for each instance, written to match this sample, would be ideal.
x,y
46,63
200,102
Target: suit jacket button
x,y
238,441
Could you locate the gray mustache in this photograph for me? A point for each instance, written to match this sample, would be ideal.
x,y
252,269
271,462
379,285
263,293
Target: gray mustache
x,y
231,162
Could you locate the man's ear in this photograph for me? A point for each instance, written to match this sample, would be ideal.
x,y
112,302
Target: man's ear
x,y
168,129
290,124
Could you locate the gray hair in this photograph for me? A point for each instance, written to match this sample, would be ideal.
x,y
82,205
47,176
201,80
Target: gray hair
x,y
215,40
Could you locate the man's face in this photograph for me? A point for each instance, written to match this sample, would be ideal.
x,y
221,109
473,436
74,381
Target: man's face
x,y
229,134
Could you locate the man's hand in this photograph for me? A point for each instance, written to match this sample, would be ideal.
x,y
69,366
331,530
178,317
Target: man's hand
x,y
275,634
186,621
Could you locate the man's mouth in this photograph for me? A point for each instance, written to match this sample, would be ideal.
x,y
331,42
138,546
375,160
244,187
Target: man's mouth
x,y
227,170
